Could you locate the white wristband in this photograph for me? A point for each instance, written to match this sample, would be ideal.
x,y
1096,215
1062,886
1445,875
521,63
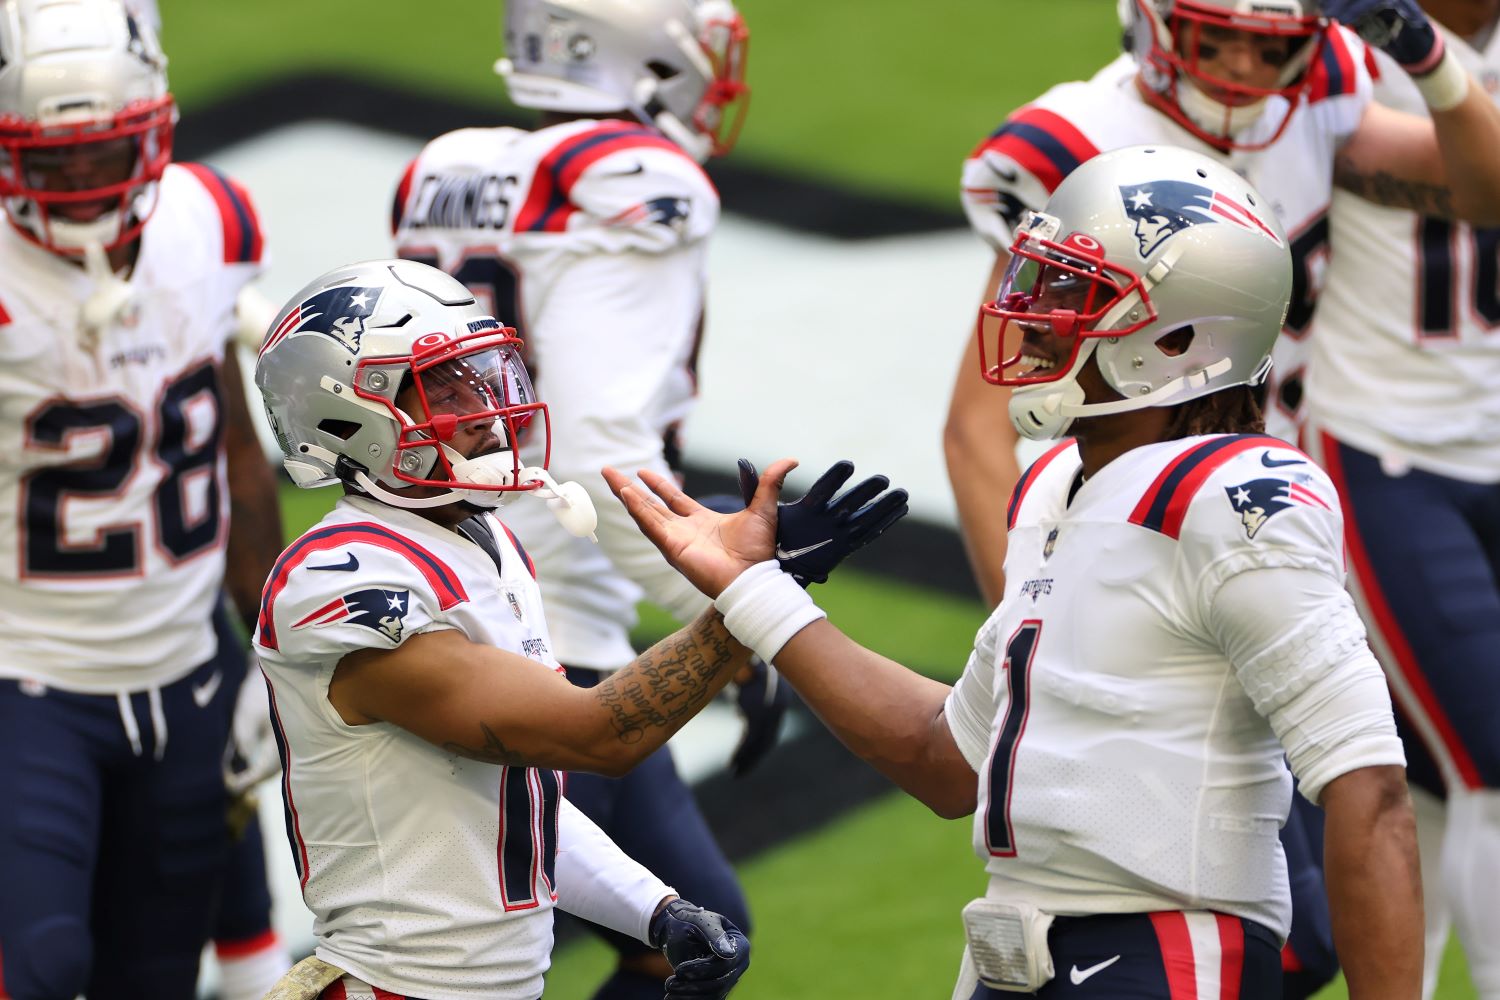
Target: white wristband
x,y
764,607
1446,86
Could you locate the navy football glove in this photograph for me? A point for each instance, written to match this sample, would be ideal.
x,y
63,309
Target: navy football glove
x,y
817,532
708,953
1399,28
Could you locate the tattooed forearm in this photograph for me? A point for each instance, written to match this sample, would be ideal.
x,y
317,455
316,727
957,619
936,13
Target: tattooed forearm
x,y
1387,189
492,751
671,681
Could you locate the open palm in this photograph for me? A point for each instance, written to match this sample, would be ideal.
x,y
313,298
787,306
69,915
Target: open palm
x,y
708,548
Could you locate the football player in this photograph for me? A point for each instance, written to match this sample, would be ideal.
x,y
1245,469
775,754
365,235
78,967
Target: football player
x,y
1403,412
135,474
423,719
591,233
1174,627
1280,94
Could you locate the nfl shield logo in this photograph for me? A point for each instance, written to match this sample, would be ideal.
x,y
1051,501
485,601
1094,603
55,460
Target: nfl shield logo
x,y
1050,545
515,605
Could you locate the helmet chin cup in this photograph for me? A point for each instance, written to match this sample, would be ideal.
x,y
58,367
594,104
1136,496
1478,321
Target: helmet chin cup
x,y
568,502
1046,410
1215,118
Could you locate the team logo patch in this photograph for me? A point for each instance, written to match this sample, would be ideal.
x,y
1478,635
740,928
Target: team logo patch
x,y
515,605
667,211
339,313
381,610
1259,500
1164,208
1050,545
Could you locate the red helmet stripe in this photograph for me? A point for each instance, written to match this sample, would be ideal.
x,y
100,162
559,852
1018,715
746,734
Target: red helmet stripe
x,y
403,191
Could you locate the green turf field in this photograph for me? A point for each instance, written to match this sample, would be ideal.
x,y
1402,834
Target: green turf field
x,y
883,97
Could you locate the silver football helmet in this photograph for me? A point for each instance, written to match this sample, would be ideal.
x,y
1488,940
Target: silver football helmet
x,y
85,121
1162,265
372,372
1170,41
676,64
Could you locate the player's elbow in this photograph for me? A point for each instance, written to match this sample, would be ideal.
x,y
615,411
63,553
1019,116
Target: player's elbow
x,y
952,803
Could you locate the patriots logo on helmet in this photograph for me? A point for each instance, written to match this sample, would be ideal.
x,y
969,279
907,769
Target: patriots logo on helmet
x,y
380,610
339,313
1259,500
1164,208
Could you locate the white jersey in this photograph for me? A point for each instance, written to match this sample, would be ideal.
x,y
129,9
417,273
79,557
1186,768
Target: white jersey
x,y
591,238
1122,765
428,874
1018,167
1406,360
113,454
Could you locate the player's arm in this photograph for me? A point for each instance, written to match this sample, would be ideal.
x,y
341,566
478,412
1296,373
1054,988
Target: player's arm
x,y
1298,648
492,705
1443,166
1374,882
979,446
254,509
888,715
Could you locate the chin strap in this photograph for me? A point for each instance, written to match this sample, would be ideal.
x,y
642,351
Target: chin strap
x,y
569,502
109,300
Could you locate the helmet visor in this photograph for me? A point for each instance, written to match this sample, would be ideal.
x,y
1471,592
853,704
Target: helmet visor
x,y
1052,296
476,398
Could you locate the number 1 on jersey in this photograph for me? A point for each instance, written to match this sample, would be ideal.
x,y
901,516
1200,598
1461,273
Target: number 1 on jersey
x,y
1020,649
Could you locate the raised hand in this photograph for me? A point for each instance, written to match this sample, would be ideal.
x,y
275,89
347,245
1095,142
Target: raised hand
x,y
818,531
709,549
1399,28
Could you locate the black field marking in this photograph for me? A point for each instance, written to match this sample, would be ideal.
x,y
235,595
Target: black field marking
x,y
799,203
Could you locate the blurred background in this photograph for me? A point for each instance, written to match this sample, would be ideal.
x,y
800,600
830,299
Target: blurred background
x,y
843,289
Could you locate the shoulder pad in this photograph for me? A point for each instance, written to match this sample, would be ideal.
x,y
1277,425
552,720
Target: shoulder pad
x,y
623,176
1017,167
350,574
243,241
1344,67
1045,472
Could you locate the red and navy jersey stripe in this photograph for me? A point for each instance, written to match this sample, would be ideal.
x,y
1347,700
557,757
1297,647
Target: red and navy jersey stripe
x,y
1029,477
1334,75
243,243
530,566
548,207
1043,142
403,191
443,581
289,812
1165,504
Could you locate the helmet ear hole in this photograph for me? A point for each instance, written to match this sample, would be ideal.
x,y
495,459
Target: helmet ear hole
x,y
341,429
1176,343
661,70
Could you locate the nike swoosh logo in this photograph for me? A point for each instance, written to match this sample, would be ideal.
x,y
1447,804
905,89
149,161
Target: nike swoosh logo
x,y
637,169
1079,975
1276,463
204,693
344,567
782,553
1008,176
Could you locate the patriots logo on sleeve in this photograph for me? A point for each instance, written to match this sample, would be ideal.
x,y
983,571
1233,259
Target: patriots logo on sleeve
x,y
1259,500
339,313
381,610
1164,208
667,211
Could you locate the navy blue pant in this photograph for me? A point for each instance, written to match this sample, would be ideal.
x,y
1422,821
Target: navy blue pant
x,y
110,859
1158,956
651,814
1308,960
1424,564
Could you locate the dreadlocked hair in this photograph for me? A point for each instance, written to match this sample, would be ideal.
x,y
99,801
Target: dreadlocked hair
x,y
1235,410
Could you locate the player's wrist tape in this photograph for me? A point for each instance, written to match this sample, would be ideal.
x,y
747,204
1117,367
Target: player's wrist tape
x,y
764,607
1446,86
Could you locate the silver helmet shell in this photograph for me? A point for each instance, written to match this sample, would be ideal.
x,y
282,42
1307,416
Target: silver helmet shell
x,y
77,78
1168,240
676,64
341,351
